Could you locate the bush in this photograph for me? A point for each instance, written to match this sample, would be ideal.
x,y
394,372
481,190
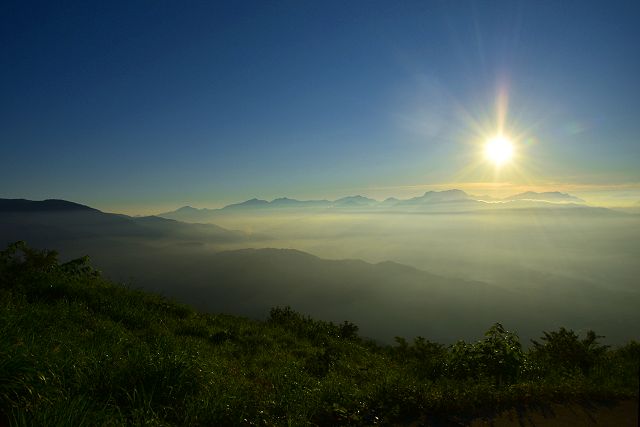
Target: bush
x,y
564,353
498,356
426,358
306,327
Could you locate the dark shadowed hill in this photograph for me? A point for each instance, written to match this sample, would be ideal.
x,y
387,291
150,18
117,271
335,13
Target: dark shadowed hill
x,y
49,221
385,299
49,205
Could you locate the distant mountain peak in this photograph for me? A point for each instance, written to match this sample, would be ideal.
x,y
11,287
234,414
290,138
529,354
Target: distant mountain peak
x,y
356,200
187,209
285,201
248,203
390,200
550,196
355,197
254,201
438,196
452,192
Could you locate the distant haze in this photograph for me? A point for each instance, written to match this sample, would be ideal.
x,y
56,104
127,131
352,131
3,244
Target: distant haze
x,y
442,275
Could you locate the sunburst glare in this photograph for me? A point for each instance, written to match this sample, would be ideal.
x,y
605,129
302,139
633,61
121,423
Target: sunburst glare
x,y
499,150
499,147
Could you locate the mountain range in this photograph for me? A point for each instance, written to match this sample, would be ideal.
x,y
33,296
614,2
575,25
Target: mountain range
x,y
454,201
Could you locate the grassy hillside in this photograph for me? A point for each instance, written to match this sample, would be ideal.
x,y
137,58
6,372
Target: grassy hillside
x,y
78,350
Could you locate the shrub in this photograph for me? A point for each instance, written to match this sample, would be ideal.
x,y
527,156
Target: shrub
x,y
306,327
565,353
498,356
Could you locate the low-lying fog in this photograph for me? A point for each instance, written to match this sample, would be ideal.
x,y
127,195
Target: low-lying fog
x,y
545,269
513,249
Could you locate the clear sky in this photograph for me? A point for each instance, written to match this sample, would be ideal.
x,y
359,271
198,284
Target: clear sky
x,y
137,106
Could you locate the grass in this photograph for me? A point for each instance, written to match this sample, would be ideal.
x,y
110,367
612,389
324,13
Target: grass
x,y
76,349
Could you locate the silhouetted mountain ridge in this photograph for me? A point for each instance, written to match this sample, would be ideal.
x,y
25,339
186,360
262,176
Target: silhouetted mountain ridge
x,y
48,205
41,221
454,200
354,201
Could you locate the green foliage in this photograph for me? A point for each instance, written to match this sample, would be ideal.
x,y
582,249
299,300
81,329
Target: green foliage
x,y
565,353
17,374
500,354
428,360
76,349
306,327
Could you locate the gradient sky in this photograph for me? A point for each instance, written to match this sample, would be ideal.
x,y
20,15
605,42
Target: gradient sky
x,y
139,106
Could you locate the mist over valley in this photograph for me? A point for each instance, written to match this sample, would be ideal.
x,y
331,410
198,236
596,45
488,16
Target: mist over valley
x,y
441,275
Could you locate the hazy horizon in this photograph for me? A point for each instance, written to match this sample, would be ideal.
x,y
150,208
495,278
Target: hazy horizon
x,y
621,196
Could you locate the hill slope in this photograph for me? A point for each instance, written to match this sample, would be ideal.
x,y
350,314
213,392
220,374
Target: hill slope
x,y
49,221
49,205
78,350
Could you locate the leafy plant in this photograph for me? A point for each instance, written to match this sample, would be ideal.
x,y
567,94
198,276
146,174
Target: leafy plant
x,y
564,352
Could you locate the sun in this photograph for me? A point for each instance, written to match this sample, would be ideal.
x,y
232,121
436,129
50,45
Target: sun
x,y
499,150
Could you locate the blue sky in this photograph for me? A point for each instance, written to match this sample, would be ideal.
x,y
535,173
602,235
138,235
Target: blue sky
x,y
138,106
